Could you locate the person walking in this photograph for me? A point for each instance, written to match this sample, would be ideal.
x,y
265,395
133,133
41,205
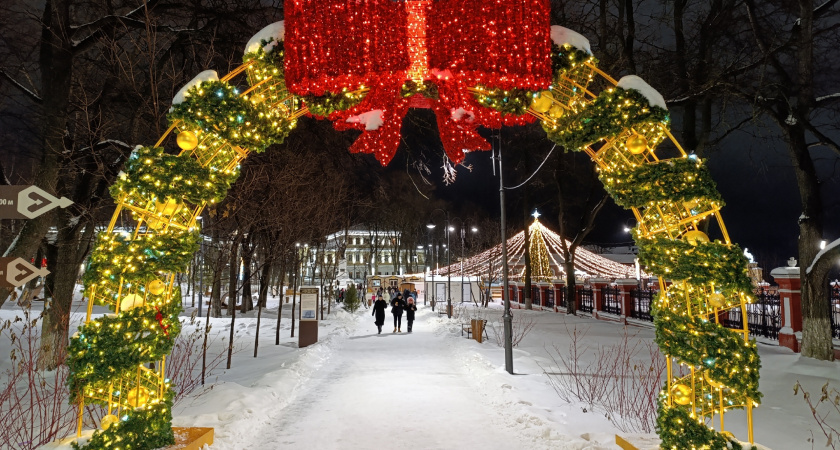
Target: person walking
x,y
397,307
379,311
409,313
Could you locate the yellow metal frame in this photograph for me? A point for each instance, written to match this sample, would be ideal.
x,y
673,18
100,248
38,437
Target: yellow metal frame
x,y
150,219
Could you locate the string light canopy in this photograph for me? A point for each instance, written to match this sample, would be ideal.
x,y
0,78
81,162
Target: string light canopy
x,y
550,259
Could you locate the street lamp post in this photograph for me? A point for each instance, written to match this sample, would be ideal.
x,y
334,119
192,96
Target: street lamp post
x,y
464,232
507,317
448,263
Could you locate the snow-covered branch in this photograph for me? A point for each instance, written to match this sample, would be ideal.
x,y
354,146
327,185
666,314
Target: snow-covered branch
x,y
824,7
106,143
28,92
824,139
830,252
827,98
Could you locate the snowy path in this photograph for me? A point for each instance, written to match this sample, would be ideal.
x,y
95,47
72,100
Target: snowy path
x,y
387,391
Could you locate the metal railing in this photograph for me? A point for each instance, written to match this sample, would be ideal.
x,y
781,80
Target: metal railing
x,y
763,317
641,299
549,298
611,303
585,299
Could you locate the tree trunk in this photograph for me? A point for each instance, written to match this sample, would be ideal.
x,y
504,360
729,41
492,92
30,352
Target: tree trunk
x,y
571,294
63,264
816,325
247,258
527,244
233,281
56,70
282,298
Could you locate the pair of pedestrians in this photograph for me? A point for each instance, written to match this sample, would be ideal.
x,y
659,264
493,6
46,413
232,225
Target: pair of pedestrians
x,y
398,306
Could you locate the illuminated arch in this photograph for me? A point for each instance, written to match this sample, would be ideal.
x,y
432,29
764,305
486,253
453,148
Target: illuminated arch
x,y
619,124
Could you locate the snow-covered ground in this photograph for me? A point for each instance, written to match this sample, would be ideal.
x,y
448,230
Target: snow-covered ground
x,y
435,389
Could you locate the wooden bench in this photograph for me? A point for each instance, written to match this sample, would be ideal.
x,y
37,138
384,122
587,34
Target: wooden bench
x,y
467,326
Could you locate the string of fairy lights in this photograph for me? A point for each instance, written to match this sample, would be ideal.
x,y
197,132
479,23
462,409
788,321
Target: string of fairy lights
x,y
362,65
549,258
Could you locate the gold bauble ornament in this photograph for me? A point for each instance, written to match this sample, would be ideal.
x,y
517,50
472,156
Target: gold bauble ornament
x,y
156,287
695,237
542,102
138,396
691,204
636,144
154,223
107,421
187,140
716,300
168,207
131,301
712,382
556,111
681,394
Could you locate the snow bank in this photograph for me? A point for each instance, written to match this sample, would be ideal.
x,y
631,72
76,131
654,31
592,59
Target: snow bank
x,y
636,83
276,32
562,36
372,120
207,75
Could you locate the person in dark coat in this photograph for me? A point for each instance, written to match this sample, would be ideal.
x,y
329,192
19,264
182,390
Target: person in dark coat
x,y
379,311
397,306
409,313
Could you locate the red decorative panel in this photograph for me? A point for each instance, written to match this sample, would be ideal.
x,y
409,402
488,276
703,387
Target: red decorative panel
x,y
498,43
336,44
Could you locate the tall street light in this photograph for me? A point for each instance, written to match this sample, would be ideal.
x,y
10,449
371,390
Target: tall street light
x,y
463,233
507,317
448,263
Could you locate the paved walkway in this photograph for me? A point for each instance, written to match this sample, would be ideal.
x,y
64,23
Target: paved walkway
x,y
389,391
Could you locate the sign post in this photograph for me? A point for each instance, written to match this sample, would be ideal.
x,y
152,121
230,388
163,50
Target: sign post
x,y
15,272
308,316
28,202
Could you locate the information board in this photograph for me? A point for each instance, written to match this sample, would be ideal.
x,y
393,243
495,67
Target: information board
x,y
309,303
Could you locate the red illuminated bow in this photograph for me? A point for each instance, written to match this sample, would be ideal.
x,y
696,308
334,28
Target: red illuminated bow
x,y
337,45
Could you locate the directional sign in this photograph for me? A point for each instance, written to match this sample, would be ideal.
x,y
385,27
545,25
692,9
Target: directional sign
x,y
28,202
15,272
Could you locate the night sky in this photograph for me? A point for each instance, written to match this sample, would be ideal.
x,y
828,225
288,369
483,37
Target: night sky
x,y
753,175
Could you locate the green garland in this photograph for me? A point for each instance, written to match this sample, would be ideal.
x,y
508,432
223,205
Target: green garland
x,y
679,431
614,111
427,89
704,344
155,174
129,339
703,264
218,110
513,101
268,61
137,262
567,58
672,180
144,428
324,105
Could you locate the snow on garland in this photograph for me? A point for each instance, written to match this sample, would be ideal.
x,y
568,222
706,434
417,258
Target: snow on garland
x,y
267,38
183,93
372,120
637,83
562,36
